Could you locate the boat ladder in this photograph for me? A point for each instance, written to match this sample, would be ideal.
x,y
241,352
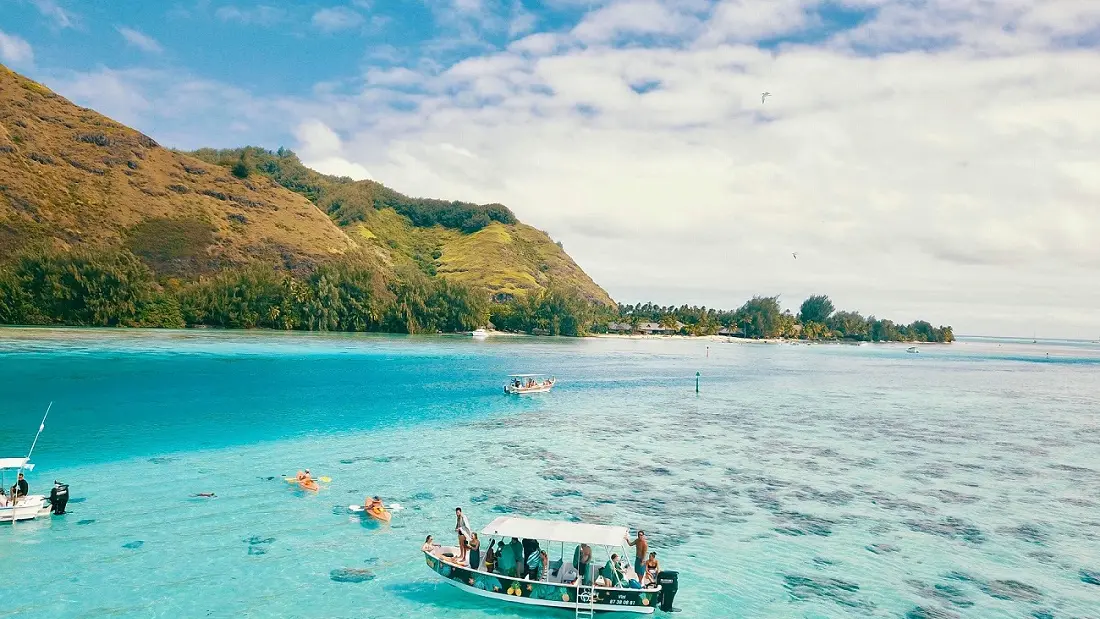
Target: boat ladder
x,y
586,601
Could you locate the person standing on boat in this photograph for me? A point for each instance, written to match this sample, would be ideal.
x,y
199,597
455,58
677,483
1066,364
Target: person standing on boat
x,y
21,488
517,551
641,545
462,524
475,551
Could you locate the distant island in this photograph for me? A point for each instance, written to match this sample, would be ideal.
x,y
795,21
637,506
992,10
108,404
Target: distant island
x,y
101,226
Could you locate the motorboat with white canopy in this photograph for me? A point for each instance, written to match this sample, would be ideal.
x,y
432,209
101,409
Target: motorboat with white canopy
x,y
520,384
14,507
557,564
17,505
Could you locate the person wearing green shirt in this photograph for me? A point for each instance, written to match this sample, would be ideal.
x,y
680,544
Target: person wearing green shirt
x,y
612,572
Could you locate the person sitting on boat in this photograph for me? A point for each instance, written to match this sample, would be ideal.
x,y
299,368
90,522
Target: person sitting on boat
x,y
374,505
612,572
3,498
21,488
490,557
304,477
652,568
429,544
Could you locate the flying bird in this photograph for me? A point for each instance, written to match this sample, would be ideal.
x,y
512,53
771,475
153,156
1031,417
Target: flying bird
x,y
764,95
795,254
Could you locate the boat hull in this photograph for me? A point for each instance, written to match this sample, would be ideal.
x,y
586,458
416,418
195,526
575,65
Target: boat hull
x,y
28,508
519,591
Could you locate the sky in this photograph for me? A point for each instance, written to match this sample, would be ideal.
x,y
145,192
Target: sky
x,y
932,159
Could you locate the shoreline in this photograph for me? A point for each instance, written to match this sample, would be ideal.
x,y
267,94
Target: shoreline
x,y
741,340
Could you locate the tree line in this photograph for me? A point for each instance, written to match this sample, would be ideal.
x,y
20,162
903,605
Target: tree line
x,y
348,201
114,288
762,317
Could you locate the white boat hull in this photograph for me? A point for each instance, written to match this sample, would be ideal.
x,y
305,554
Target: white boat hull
x,y
26,508
541,593
504,597
526,390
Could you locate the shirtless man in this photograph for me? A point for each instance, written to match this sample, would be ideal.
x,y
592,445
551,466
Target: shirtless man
x,y
641,546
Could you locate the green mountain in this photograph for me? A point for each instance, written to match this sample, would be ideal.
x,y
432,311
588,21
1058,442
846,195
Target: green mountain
x,y
480,245
100,225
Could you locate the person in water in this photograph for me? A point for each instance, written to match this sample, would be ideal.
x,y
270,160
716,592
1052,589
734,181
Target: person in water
x,y
429,544
205,495
641,546
21,488
475,551
652,568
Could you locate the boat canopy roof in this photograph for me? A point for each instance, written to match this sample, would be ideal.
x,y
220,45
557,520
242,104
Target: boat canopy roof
x,y
524,375
16,463
556,531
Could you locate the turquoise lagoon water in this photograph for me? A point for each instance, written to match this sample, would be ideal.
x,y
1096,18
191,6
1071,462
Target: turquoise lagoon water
x,y
803,481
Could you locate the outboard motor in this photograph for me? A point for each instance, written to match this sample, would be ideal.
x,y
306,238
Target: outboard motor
x,y
59,498
669,582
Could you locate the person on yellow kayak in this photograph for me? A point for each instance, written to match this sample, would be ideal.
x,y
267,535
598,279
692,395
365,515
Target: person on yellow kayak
x,y
305,481
375,509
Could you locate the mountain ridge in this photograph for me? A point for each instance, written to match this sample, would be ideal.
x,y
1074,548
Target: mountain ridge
x,y
71,178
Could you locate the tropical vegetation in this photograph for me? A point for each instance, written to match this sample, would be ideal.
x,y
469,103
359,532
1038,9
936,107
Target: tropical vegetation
x,y
762,317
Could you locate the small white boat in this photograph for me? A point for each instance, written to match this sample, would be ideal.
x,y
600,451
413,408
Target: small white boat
x,y
479,334
20,508
912,349
522,384
563,581
15,507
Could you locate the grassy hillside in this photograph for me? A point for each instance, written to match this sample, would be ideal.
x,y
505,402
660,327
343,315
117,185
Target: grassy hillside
x,y
478,245
99,225
70,177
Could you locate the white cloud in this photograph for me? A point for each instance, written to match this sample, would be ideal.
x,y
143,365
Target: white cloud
x,y
336,18
50,9
15,51
750,20
139,40
321,149
261,15
633,17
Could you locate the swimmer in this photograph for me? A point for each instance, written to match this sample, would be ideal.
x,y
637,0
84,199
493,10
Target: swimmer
x,y
206,495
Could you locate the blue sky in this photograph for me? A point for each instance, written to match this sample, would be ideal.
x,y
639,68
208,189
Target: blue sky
x,y
926,158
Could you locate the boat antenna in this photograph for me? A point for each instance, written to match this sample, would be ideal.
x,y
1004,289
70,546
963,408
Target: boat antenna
x,y
41,427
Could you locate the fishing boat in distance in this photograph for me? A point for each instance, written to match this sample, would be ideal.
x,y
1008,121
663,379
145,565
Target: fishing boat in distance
x,y
912,349
480,333
562,581
19,504
521,384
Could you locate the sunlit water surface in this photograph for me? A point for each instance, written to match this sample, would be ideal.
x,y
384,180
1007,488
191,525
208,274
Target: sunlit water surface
x,y
803,481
